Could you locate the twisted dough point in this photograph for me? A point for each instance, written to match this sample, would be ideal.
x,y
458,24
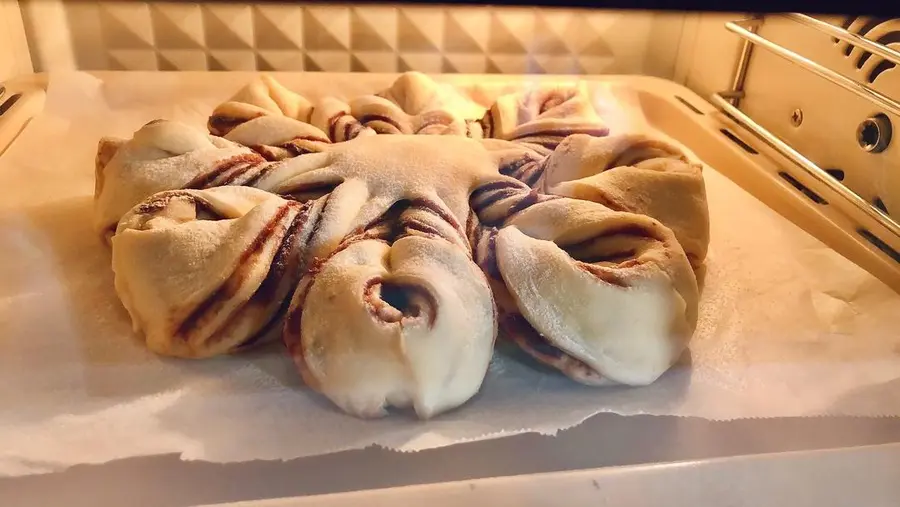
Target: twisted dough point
x,y
279,137
398,316
603,296
264,96
612,290
206,272
543,118
637,174
279,123
161,156
414,104
537,119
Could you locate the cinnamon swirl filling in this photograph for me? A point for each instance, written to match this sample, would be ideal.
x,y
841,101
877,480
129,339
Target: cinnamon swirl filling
x,y
392,302
221,125
532,343
226,171
496,202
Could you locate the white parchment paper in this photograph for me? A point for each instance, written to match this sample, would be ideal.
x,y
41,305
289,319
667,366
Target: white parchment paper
x,y
788,327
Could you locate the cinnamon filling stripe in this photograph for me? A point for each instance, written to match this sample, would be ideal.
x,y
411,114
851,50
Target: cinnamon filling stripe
x,y
306,189
525,336
237,164
434,119
318,220
482,202
263,170
521,332
437,210
604,274
352,129
532,174
292,324
528,200
285,254
564,132
161,200
207,308
267,152
419,226
513,166
489,264
286,257
527,170
633,230
274,320
489,193
522,196
333,123
222,124
396,222
368,118
295,149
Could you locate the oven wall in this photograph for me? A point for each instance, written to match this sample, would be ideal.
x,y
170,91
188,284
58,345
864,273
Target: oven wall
x,y
14,55
111,35
708,52
776,89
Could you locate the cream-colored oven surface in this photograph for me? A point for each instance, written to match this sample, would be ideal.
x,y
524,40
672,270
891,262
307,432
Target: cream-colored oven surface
x,y
15,59
777,302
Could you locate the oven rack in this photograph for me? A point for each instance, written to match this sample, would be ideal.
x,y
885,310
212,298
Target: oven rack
x,y
729,101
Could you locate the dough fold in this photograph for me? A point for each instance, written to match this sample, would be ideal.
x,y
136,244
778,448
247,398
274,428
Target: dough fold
x,y
206,272
398,315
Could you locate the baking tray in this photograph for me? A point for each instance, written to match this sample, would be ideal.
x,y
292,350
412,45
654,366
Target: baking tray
x,y
867,476
603,441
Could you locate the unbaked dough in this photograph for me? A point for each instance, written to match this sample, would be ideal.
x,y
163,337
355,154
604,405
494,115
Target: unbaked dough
x,y
394,233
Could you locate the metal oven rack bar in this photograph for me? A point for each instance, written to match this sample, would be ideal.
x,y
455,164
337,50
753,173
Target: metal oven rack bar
x,y
728,101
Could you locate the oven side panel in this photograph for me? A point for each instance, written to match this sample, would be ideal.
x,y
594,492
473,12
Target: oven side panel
x,y
14,55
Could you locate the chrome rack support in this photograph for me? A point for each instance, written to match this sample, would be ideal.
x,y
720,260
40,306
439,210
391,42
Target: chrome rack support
x,y
844,82
728,101
743,63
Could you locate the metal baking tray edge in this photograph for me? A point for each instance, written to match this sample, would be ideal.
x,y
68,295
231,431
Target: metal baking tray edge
x,y
867,476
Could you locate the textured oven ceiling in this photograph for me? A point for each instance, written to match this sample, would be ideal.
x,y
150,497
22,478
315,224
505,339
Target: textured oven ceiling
x,y
291,37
